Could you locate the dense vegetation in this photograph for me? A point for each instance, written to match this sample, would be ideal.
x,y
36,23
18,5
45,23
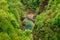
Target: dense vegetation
x,y
15,26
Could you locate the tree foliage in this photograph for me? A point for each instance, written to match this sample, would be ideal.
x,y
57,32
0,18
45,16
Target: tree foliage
x,y
47,21
9,26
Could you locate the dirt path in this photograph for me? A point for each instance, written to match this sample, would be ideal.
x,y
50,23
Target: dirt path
x,y
30,14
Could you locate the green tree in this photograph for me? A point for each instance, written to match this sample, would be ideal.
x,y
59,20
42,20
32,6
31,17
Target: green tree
x,y
9,26
48,23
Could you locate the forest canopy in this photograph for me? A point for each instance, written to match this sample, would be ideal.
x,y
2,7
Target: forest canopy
x,y
29,19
